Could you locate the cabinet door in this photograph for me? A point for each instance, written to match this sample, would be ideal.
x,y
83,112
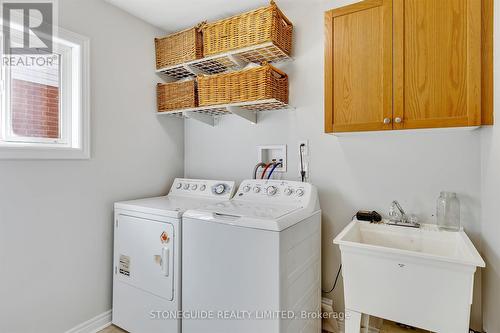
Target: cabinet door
x,y
358,67
437,63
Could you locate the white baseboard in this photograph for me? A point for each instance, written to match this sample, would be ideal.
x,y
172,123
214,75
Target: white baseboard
x,y
93,325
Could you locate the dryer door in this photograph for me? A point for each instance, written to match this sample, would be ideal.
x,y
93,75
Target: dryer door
x,y
144,255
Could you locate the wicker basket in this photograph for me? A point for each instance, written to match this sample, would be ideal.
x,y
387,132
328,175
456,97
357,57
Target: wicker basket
x,y
266,24
176,95
180,47
255,84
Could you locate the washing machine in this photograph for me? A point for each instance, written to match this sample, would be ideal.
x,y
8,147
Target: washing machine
x,y
147,255
253,264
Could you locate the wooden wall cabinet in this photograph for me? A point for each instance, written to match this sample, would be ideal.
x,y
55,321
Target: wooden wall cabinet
x,y
406,64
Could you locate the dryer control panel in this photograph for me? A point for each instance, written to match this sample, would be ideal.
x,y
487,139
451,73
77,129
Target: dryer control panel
x,y
276,191
221,189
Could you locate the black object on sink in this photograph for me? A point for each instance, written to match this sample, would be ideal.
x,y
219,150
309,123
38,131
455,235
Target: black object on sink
x,y
364,215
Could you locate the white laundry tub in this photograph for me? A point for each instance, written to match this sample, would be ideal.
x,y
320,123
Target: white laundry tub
x,y
420,277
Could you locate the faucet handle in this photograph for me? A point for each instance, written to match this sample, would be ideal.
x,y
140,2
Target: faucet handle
x,y
398,206
397,216
397,213
393,210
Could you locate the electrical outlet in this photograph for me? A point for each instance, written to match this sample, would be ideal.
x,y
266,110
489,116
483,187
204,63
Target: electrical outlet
x,y
305,149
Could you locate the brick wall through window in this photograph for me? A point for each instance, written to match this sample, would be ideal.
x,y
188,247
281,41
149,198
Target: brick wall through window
x,y
35,109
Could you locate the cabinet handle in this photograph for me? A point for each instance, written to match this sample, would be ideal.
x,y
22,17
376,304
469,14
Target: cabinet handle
x,y
387,121
398,120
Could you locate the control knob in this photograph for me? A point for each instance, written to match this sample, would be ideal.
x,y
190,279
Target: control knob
x,y
271,190
203,187
288,191
300,192
194,187
246,189
186,186
219,189
178,186
256,189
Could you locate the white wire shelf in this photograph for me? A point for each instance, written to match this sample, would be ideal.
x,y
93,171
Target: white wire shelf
x,y
245,110
226,62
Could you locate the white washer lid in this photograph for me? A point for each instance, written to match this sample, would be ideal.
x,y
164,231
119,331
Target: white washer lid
x,y
255,215
251,209
169,206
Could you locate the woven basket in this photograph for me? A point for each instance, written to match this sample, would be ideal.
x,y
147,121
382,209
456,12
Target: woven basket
x,y
255,84
176,95
266,24
180,47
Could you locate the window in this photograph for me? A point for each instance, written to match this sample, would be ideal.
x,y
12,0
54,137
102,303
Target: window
x,y
44,109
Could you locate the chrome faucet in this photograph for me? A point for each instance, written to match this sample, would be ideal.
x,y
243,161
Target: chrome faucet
x,y
397,216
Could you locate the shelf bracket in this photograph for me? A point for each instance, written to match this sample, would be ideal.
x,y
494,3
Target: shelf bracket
x,y
249,115
206,119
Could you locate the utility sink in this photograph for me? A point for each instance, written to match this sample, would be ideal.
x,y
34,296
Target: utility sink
x,y
421,277
426,242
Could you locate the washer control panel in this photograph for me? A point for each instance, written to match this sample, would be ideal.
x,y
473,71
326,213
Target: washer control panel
x,y
277,190
203,188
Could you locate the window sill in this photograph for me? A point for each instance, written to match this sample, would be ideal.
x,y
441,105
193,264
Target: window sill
x,y
16,152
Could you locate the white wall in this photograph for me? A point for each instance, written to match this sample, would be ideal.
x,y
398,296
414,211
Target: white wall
x,y
56,216
490,202
364,171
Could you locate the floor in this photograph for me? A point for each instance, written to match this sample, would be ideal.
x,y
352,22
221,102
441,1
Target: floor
x,y
112,329
388,327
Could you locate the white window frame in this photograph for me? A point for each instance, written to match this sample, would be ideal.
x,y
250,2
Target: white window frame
x,y
74,142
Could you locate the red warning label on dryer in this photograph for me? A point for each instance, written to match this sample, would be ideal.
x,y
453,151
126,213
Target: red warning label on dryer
x,y
164,237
